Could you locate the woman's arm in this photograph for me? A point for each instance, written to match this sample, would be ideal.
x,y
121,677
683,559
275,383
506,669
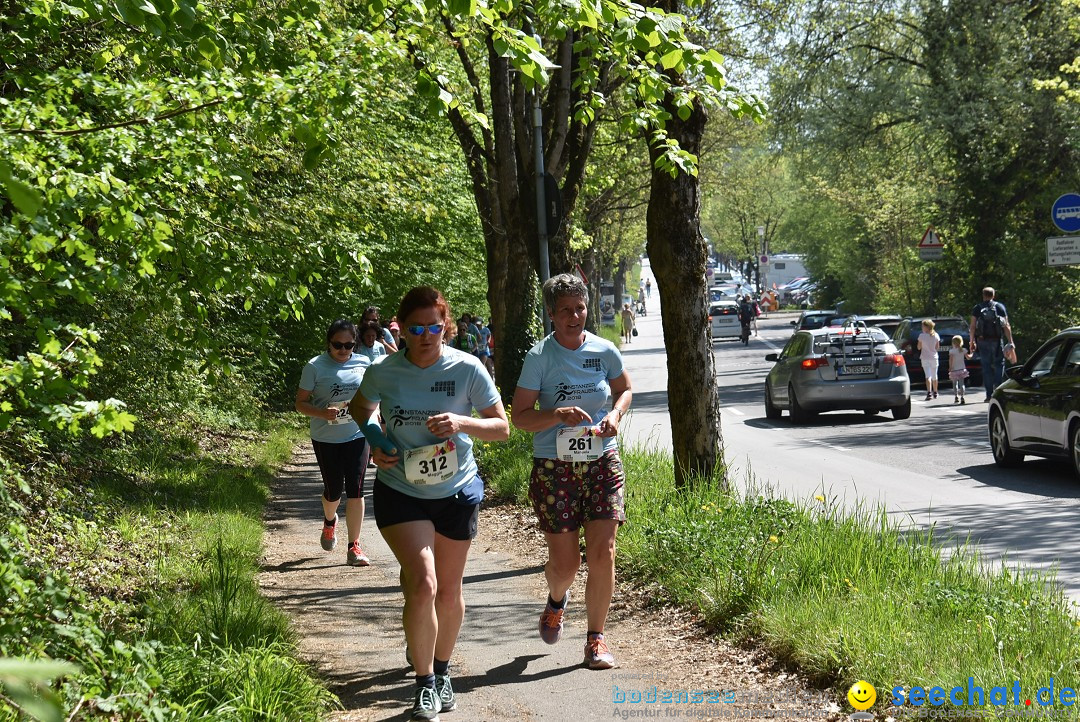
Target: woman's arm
x,y
491,426
529,418
623,397
304,406
382,449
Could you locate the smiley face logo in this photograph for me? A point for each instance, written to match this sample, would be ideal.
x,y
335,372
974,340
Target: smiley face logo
x,y
862,695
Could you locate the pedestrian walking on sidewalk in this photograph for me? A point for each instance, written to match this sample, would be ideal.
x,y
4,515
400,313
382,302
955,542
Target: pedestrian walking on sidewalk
x,y
327,385
929,346
958,368
427,492
577,480
989,329
627,316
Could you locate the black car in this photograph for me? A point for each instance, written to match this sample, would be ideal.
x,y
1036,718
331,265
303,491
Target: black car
x,y
809,320
887,322
906,338
1036,410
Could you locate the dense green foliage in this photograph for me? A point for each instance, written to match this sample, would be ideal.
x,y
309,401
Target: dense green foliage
x,y
843,594
135,563
201,188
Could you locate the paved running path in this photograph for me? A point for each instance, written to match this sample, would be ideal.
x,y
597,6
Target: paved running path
x,y
349,619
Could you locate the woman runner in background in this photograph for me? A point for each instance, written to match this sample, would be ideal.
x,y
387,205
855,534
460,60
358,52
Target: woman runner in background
x,y
327,385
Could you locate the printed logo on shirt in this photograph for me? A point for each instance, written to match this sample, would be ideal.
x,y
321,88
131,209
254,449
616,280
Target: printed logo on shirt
x,y
592,363
341,391
573,392
447,386
399,417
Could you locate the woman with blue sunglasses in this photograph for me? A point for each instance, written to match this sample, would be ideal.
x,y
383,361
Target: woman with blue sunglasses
x,y
427,492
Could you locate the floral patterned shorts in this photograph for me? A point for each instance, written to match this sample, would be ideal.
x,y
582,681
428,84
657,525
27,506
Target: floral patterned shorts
x,y
565,494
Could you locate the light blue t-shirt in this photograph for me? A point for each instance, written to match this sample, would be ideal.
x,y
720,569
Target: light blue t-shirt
x,y
331,382
457,383
372,353
571,378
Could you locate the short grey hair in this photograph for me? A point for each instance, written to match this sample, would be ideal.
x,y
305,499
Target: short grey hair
x,y
564,284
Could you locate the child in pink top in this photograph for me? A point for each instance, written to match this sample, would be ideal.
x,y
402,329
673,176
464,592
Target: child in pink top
x,y
958,369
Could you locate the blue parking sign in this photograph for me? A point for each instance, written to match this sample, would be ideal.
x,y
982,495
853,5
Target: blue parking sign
x,y
1066,213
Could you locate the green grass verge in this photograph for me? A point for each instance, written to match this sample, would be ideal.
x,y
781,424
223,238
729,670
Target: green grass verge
x,y
156,539
842,595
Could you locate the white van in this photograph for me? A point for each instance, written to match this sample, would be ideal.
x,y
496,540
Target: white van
x,y
783,268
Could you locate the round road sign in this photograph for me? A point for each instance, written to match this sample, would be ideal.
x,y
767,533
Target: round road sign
x,y
1066,212
764,259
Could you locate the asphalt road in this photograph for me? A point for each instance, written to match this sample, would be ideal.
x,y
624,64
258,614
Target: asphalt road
x,y
933,468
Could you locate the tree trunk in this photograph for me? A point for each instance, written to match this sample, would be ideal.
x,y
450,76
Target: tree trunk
x,y
677,251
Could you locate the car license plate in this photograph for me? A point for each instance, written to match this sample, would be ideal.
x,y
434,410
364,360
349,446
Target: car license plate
x,y
851,370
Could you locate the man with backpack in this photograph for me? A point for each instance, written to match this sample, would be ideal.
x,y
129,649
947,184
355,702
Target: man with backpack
x,y
989,329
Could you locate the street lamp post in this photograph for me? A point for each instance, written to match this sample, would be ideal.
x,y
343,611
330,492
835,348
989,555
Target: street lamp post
x,y
757,259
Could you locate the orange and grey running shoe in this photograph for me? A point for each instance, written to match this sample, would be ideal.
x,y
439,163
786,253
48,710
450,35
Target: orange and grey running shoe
x,y
328,538
356,556
551,621
597,655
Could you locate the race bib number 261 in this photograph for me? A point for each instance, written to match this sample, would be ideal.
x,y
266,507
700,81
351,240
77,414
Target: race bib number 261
x,y
579,443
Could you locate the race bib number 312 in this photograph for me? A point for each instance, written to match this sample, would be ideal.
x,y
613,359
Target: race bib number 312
x,y
432,464
579,443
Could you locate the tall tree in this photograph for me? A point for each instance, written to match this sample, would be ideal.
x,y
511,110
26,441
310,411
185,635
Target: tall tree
x,y
677,252
483,66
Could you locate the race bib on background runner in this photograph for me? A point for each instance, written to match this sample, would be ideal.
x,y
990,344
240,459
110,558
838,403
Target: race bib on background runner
x,y
343,416
579,443
432,464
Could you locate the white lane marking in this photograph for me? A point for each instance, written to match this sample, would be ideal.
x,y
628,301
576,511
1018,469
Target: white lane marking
x,y
768,343
735,411
834,447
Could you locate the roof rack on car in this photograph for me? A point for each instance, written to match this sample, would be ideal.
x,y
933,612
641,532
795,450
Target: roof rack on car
x,y
855,329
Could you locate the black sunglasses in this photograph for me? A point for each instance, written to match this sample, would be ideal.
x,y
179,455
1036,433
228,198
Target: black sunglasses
x,y
338,345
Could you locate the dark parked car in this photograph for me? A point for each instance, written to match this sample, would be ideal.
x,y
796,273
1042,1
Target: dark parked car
x,y
1036,410
809,320
827,369
887,322
906,338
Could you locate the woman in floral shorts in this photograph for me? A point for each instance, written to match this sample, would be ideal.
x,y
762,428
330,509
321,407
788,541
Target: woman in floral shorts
x,y
577,480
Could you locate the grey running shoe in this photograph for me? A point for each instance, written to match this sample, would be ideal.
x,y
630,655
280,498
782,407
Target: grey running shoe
x,y
445,690
356,556
426,705
328,537
551,621
597,655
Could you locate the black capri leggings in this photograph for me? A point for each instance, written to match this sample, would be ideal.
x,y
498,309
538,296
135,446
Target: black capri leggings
x,y
342,466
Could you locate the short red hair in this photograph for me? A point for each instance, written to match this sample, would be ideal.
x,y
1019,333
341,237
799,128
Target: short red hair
x,y
427,297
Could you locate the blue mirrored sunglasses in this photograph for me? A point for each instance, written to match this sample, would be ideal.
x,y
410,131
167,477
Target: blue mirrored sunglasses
x,y
419,330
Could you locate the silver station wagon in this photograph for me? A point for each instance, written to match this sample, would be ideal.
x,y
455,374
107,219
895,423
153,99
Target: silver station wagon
x,y
853,366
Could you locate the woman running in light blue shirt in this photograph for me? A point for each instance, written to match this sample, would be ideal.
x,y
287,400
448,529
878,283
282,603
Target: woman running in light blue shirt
x,y
327,385
427,493
577,478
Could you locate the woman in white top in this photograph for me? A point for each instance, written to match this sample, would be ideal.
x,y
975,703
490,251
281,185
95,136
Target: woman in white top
x,y
929,345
